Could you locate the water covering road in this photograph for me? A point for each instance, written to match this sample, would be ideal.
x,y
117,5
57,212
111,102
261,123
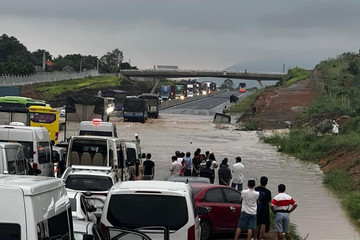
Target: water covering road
x,y
319,215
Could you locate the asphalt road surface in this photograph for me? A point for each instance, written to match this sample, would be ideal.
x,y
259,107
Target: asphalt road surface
x,y
206,106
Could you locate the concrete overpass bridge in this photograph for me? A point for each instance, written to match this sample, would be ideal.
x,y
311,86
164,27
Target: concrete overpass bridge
x,y
158,74
179,73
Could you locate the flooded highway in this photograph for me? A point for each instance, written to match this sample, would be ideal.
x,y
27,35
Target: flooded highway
x,y
318,216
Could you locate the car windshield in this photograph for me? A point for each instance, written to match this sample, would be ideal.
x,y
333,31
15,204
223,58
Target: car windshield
x,y
127,210
88,183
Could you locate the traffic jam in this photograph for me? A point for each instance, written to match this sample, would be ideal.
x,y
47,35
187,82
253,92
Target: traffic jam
x,y
80,187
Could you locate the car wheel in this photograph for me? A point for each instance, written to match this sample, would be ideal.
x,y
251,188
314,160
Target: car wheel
x,y
205,229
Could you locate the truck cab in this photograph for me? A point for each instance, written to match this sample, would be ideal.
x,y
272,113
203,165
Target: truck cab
x,y
98,151
152,102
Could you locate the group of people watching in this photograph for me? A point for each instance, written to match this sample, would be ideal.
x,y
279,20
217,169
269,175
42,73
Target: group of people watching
x,y
202,165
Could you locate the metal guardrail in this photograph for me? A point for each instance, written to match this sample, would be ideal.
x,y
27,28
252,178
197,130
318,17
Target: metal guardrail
x,y
199,71
21,80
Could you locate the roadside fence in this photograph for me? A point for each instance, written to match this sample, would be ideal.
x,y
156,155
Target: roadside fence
x,y
21,80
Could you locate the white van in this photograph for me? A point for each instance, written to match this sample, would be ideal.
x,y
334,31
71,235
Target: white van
x,y
98,151
12,159
36,144
34,208
148,205
97,127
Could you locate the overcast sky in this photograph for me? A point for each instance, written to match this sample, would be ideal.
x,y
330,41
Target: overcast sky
x,y
259,35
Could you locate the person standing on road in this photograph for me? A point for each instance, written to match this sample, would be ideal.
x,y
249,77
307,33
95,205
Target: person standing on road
x,y
247,219
137,139
263,209
149,168
214,165
136,171
224,173
188,166
176,166
196,164
282,205
237,172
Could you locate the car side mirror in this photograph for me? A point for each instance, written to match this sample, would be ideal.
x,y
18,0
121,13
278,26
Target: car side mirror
x,y
202,210
92,208
88,194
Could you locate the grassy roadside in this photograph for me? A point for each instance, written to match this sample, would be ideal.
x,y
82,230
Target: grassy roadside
x,y
337,82
53,89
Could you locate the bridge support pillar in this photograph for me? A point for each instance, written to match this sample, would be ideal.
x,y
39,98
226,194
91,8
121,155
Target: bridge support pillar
x,y
260,83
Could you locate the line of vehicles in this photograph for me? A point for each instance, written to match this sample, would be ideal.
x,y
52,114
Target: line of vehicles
x,y
92,198
182,90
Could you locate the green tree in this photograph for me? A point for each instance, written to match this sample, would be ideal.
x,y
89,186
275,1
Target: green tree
x,y
109,63
14,57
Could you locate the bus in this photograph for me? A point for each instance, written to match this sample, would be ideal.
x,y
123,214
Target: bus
x,y
242,87
17,109
46,117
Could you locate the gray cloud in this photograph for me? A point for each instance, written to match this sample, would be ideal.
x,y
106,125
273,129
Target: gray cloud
x,y
191,34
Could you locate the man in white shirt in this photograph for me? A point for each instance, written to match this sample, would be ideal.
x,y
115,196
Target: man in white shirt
x,y
247,219
176,166
237,173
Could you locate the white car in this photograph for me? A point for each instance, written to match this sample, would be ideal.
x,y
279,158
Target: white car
x,y
62,112
150,204
94,181
84,230
80,207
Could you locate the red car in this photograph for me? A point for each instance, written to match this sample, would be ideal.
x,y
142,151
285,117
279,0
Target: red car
x,y
223,205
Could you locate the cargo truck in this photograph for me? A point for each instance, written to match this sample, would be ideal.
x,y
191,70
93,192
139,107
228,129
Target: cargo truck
x,y
180,90
152,102
135,109
83,108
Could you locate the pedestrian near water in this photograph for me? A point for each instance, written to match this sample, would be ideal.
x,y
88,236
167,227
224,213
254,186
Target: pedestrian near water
x,y
176,166
137,139
263,209
188,165
225,110
206,172
224,173
196,164
282,205
335,127
214,165
149,168
253,110
237,172
247,219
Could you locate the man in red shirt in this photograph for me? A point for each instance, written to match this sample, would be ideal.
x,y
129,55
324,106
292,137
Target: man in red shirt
x,y
282,205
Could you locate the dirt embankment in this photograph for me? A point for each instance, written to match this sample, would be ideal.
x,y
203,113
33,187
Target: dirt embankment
x,y
280,108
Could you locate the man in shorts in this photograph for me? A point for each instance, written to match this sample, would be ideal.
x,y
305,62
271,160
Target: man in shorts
x,y
263,209
282,205
247,219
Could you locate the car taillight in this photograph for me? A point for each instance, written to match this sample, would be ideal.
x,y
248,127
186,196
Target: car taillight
x,y
35,166
56,135
191,233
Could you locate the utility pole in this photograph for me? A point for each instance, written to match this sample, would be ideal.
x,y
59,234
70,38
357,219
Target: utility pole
x,y
80,63
43,61
120,57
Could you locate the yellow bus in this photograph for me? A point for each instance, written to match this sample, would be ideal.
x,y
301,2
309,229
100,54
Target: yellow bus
x,y
46,117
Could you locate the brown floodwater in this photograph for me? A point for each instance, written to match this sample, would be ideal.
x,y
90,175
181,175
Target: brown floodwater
x,y
318,216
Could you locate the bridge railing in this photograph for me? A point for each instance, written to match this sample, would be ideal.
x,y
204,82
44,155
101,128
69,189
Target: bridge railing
x,y
199,71
21,80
